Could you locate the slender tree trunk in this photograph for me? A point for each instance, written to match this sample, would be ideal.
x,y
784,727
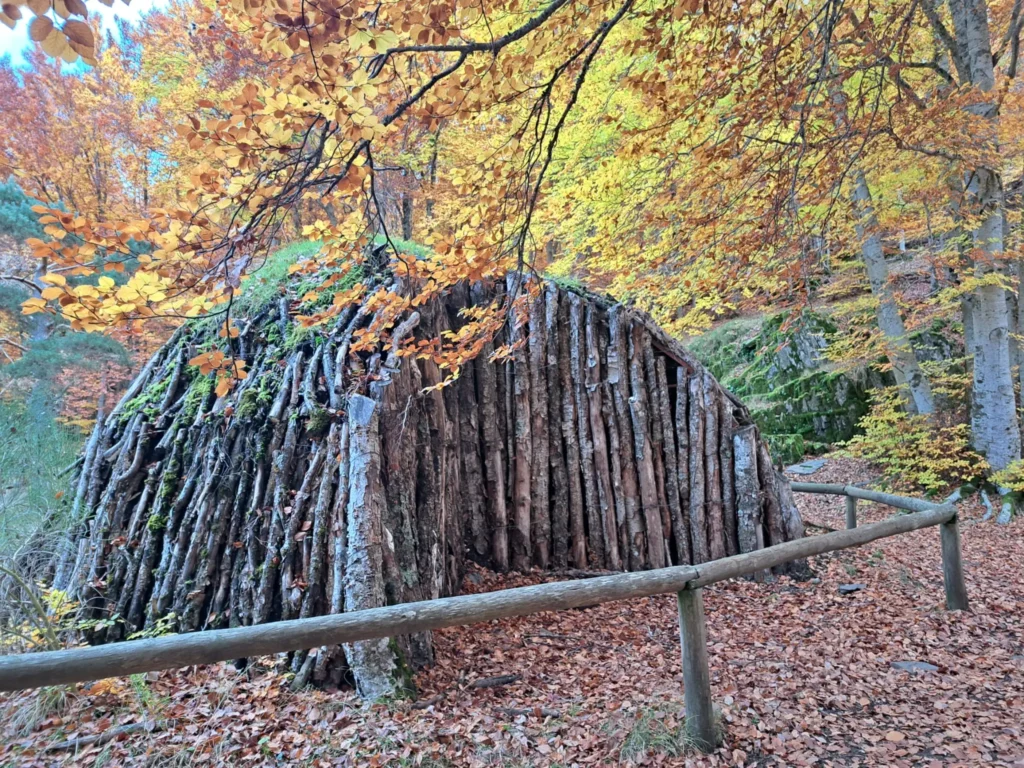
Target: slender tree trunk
x,y
644,448
907,370
407,216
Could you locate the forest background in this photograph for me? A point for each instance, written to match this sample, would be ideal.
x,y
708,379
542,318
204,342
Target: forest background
x,y
829,189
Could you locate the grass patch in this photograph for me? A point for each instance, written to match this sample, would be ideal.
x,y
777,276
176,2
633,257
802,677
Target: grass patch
x,y
264,284
659,732
25,712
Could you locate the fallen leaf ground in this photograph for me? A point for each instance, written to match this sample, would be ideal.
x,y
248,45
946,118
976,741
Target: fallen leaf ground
x,y
802,675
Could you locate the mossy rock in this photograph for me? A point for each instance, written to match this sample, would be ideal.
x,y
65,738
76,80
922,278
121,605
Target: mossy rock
x,y
777,367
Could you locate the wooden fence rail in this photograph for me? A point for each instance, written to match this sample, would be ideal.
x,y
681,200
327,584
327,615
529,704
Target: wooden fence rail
x,y
33,670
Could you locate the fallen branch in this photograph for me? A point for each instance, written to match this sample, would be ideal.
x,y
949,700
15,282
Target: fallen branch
x,y
425,703
109,735
538,711
13,343
494,682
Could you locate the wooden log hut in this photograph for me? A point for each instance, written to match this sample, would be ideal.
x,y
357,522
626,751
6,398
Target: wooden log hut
x,y
331,481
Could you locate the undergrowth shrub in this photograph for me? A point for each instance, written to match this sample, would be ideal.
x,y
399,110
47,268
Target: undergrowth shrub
x,y
64,349
1011,478
34,449
912,453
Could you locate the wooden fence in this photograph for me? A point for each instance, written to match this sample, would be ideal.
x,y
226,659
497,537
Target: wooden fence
x,y
35,670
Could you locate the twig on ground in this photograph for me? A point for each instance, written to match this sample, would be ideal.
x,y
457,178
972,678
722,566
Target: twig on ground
x,y
494,682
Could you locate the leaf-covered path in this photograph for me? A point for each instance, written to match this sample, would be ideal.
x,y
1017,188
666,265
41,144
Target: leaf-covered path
x,y
803,676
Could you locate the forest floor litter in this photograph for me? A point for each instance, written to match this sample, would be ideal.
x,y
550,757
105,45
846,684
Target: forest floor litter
x,y
803,675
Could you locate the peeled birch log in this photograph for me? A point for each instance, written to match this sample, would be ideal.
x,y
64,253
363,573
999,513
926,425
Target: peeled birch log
x,y
331,480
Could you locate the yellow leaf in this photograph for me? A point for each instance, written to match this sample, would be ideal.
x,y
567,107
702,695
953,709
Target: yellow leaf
x,y
52,292
54,279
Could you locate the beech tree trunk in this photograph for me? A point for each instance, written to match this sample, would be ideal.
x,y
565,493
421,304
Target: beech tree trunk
x,y
995,426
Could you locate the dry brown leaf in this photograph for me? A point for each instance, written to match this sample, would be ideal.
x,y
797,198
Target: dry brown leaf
x,y
40,28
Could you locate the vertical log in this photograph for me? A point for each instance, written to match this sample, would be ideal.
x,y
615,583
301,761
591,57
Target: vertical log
x,y
506,391
683,458
523,457
577,353
337,551
559,472
220,610
611,428
372,662
283,466
312,600
952,567
602,469
727,426
643,446
570,434
851,513
680,534
617,362
291,594
434,473
774,524
748,490
657,442
487,375
474,496
454,548
713,470
397,391
698,509
540,512
700,713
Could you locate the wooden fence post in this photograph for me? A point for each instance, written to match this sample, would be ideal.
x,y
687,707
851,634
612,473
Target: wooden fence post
x,y
952,567
700,715
851,513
